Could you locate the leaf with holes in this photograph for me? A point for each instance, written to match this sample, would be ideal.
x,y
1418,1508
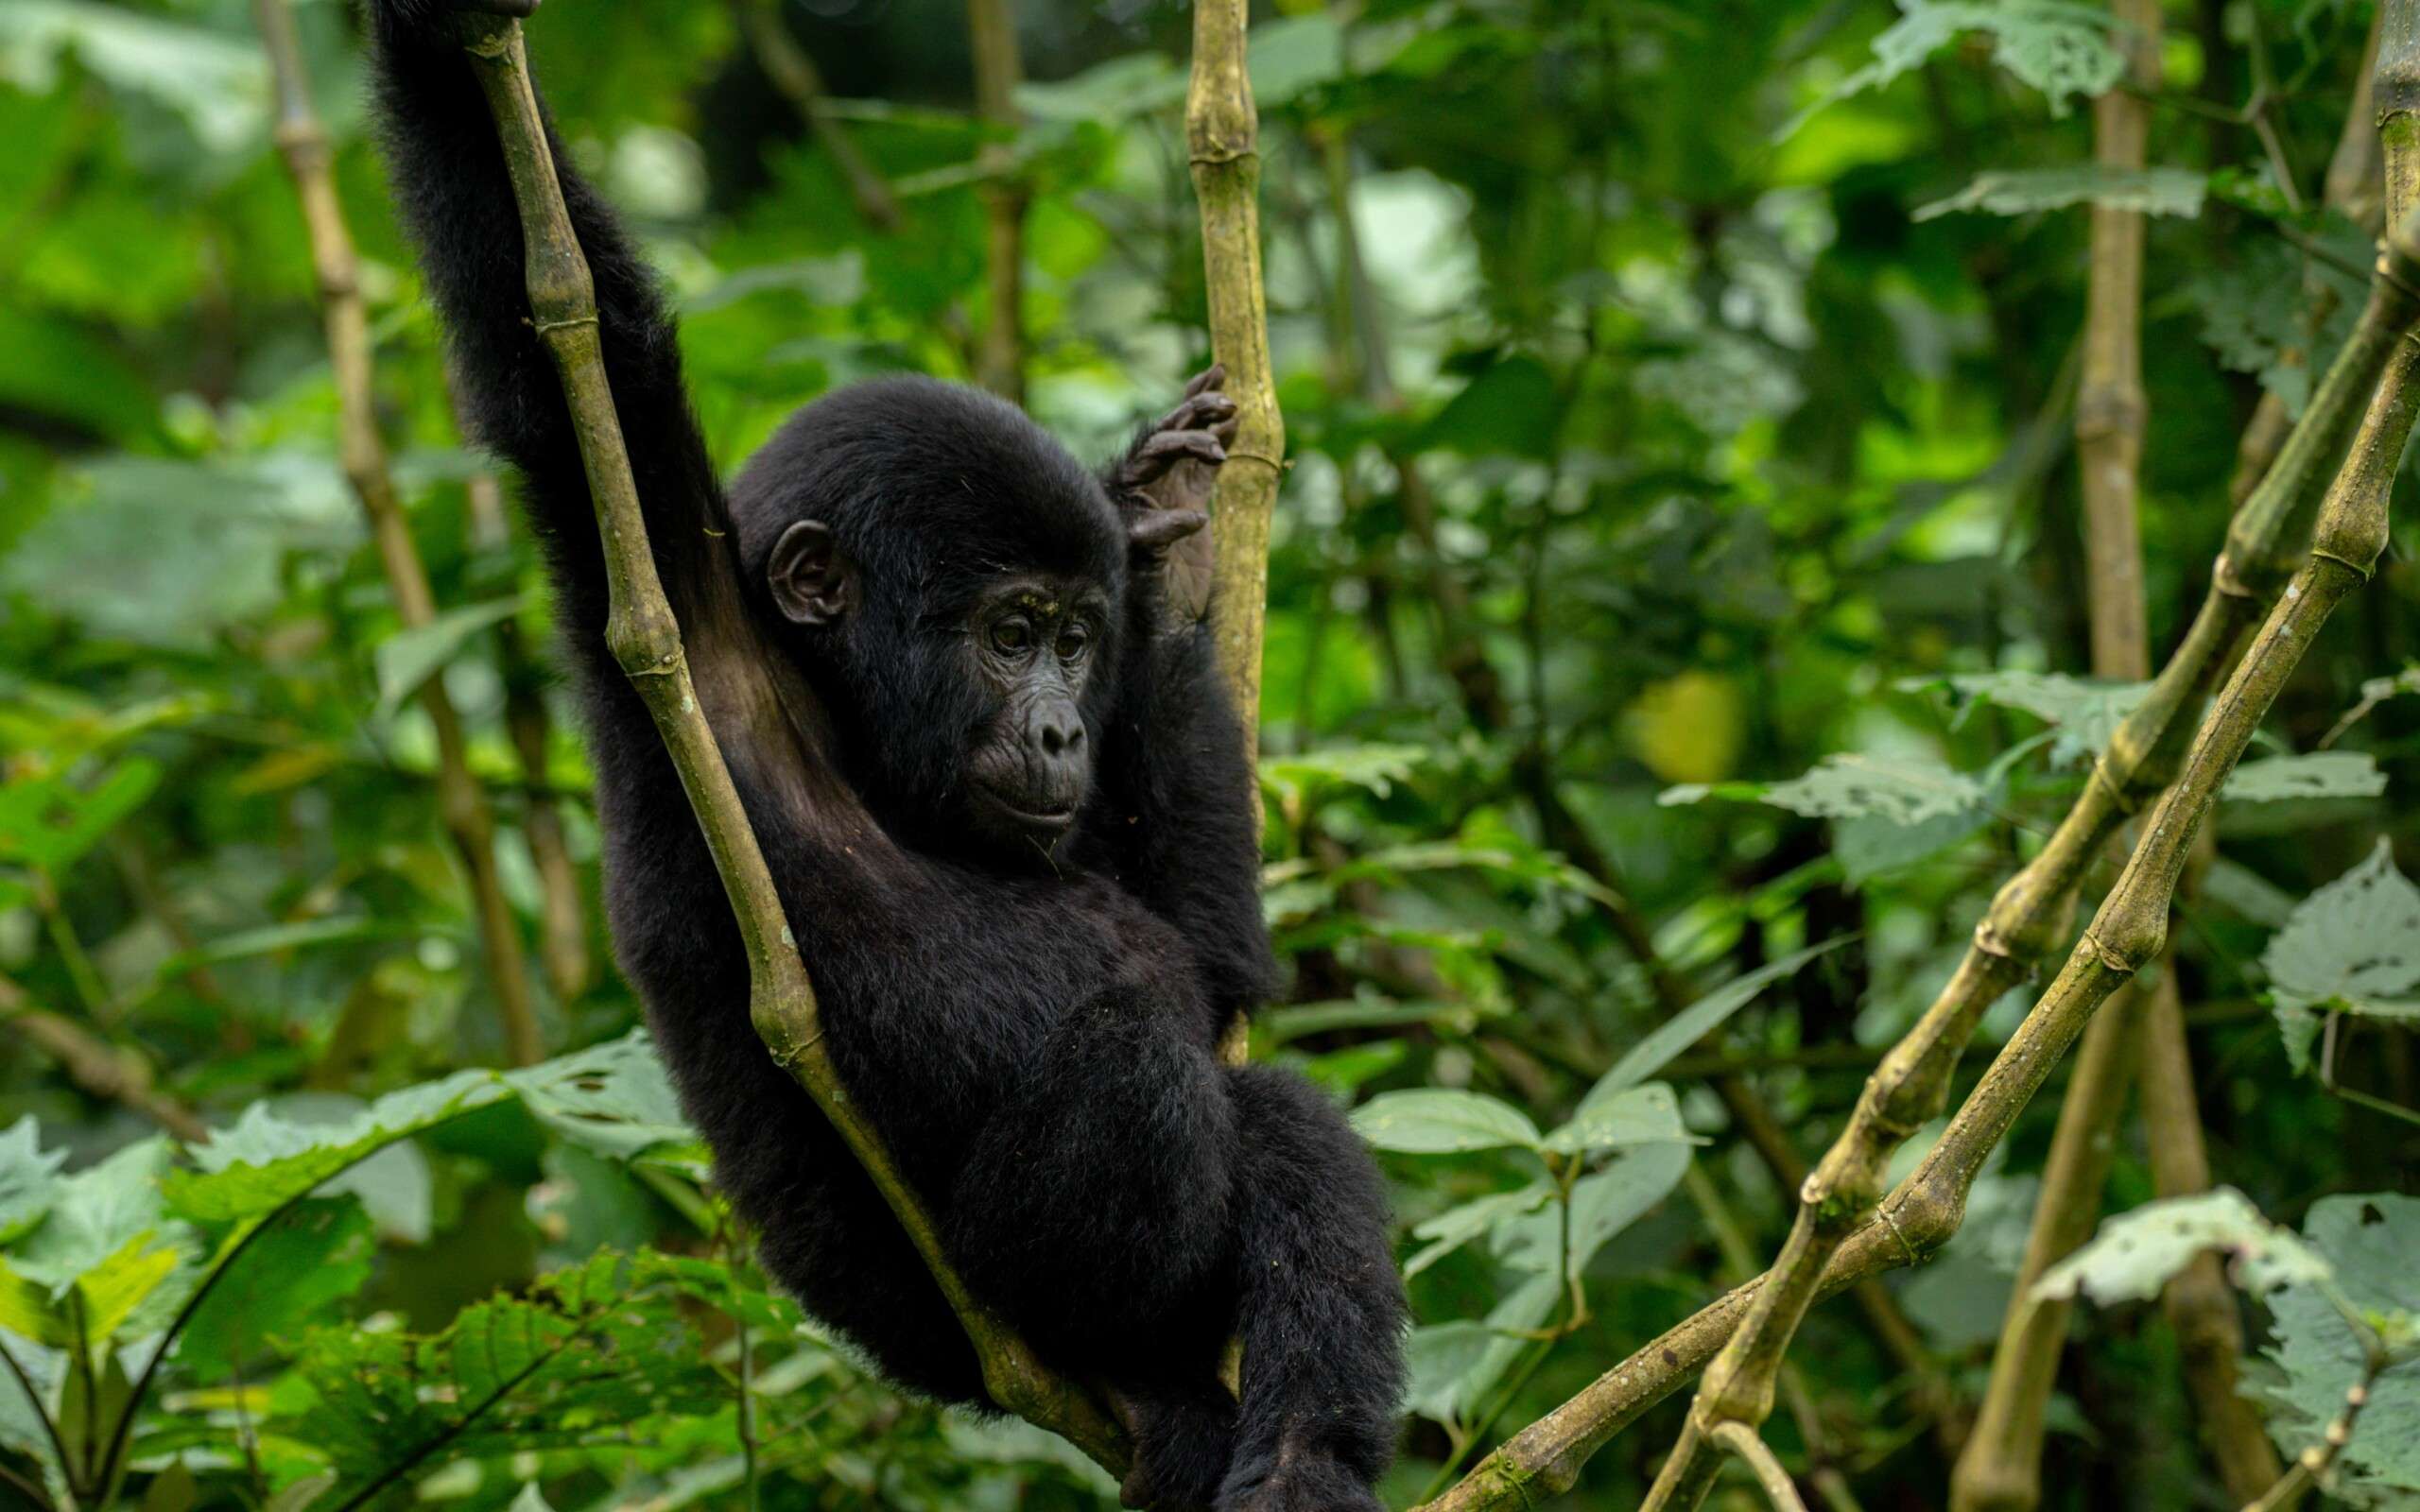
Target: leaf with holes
x,y
2024,192
2057,46
2316,775
2135,1253
2353,946
2369,1241
612,1098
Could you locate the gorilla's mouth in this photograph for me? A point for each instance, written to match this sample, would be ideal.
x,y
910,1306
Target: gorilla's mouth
x,y
1038,820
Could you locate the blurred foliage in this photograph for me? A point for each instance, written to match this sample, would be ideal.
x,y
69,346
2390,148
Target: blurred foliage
x,y
1681,539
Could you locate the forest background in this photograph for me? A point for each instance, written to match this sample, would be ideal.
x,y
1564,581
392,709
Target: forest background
x,y
1736,492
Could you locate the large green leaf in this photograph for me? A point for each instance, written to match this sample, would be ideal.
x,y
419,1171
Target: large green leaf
x,y
291,1273
1602,1205
1456,1227
28,1178
612,1098
2369,1243
2060,47
2352,946
264,1162
1434,1120
1646,1114
593,1351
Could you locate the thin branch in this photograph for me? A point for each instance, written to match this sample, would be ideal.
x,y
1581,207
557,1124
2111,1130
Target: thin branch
x,y
562,913
793,73
101,1068
1740,1440
999,363
1842,1236
1222,140
462,804
645,639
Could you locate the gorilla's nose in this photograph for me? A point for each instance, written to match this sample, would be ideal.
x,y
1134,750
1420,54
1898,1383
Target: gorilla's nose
x,y
1060,733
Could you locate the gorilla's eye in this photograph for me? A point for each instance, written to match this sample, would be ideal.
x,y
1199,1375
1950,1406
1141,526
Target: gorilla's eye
x,y
1011,635
1073,642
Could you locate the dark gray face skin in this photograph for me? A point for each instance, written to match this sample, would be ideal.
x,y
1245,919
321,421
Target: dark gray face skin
x,y
1034,642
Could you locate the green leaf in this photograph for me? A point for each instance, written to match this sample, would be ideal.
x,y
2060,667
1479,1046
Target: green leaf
x,y
264,1162
1904,790
411,657
1631,1115
28,1178
2316,775
612,1098
49,822
1602,1205
1694,1022
2087,712
218,86
1453,1367
604,1346
296,1269
2023,192
1432,1121
1289,56
93,1304
1456,1227
2353,946
98,1212
2057,46
2368,1242
2135,1253
1375,769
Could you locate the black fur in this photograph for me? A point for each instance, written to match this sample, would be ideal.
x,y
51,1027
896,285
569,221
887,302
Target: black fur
x,y
1033,1035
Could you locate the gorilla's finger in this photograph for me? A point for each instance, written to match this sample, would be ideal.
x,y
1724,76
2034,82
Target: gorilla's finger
x,y
1214,376
1225,431
1152,459
1199,413
1159,529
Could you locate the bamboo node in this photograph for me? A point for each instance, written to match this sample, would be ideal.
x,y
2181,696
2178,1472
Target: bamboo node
x,y
2361,572
542,327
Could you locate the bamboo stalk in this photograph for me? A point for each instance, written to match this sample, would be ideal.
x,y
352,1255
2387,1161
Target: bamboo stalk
x,y
999,363
1841,1235
462,804
562,915
1222,141
793,73
645,641
2001,1467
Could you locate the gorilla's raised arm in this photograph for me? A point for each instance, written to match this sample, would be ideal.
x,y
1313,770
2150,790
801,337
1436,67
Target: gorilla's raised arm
x,y
1174,764
451,189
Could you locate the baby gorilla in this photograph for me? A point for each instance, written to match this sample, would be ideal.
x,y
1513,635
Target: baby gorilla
x,y
966,691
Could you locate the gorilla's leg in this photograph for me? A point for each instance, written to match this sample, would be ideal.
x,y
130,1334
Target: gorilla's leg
x,y
1185,1437
1093,1207
1320,1305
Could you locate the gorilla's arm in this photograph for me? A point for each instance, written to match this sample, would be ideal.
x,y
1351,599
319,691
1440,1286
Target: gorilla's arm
x,y
454,197
1184,837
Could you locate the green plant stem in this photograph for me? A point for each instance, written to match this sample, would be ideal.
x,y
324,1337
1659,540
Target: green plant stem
x,y
1222,142
793,73
645,641
1840,1236
999,363
461,805
2315,1459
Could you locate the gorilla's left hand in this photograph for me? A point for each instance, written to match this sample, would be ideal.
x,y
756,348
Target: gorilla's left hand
x,y
1164,487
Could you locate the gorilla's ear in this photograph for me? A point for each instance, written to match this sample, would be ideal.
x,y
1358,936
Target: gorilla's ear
x,y
812,579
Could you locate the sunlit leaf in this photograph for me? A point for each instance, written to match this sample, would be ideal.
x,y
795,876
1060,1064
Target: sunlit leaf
x,y
1434,1120
2315,775
2021,192
2137,1253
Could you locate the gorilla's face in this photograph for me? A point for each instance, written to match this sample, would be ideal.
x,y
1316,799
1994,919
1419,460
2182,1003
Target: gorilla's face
x,y
1031,645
